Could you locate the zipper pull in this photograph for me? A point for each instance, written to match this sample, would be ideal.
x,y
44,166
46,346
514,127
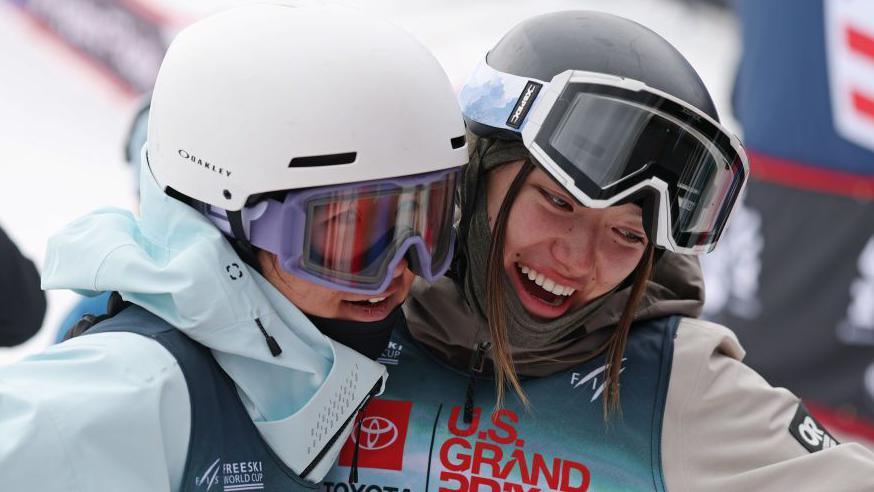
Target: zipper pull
x,y
272,344
477,361
353,470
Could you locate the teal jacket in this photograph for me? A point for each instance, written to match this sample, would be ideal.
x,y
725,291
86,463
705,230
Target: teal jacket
x,y
111,411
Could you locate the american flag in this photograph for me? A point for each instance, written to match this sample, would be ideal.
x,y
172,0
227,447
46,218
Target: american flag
x,y
850,41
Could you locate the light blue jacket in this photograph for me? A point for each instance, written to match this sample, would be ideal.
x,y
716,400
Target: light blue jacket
x,y
111,411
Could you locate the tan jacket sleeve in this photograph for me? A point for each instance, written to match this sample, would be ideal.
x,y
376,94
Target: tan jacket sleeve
x,y
725,428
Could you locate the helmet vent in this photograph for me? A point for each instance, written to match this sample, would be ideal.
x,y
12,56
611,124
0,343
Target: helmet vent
x,y
458,142
324,160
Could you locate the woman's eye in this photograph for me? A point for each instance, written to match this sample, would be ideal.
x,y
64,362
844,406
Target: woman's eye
x,y
630,237
557,201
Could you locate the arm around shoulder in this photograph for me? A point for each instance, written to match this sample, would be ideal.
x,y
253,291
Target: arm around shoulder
x,y
726,428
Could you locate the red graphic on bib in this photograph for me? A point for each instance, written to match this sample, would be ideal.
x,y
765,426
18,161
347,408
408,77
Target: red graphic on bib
x,y
383,433
490,456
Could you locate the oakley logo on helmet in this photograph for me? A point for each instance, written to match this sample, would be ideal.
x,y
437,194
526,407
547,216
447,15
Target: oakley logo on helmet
x,y
523,105
202,163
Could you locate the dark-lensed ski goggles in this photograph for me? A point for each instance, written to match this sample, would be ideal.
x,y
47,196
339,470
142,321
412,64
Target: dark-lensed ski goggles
x,y
352,237
610,140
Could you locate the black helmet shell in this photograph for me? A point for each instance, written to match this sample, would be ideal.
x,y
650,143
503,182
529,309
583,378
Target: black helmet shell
x,y
544,46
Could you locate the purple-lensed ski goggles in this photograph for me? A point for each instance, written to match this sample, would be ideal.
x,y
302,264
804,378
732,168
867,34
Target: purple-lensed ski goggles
x,y
352,237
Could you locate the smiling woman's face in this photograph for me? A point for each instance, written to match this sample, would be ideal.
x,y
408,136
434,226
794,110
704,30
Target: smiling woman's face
x,y
558,254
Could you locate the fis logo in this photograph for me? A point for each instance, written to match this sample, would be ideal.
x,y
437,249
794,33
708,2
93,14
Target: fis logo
x,y
231,476
594,376
210,476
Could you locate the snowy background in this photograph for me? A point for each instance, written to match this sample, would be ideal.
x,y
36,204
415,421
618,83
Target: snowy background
x,y
63,121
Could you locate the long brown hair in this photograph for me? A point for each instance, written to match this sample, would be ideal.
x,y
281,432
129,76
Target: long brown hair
x,y
504,368
617,341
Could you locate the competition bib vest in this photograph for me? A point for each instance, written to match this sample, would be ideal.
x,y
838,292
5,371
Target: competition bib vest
x,y
414,437
225,451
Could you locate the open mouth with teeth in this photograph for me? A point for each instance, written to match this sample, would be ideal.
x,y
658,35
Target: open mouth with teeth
x,y
372,302
543,288
372,309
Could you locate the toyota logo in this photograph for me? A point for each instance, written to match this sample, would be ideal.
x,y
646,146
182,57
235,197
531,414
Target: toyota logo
x,y
376,433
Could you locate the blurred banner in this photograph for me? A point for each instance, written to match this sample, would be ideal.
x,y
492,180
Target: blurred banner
x,y
795,275
124,40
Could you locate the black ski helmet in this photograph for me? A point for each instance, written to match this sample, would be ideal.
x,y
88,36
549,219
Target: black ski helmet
x,y
546,45
615,114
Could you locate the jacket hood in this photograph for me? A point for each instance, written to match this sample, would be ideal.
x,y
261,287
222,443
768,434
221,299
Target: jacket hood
x,y
175,263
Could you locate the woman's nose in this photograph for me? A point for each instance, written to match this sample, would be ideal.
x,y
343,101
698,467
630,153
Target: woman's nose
x,y
576,250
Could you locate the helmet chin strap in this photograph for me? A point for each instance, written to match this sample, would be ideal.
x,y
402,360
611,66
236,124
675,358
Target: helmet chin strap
x,y
240,240
235,219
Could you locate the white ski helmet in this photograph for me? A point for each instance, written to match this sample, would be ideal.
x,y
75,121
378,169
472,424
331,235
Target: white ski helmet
x,y
269,97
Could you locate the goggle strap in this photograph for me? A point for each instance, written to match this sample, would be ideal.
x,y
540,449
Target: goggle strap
x,y
235,218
